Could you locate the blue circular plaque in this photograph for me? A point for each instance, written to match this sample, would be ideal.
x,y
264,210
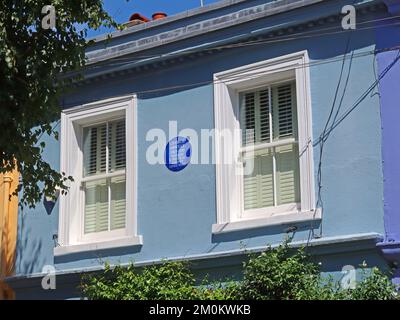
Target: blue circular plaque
x,y
177,154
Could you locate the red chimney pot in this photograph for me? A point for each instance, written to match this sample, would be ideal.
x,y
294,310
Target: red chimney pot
x,y
159,15
138,16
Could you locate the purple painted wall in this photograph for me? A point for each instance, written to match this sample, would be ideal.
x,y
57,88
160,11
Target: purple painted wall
x,y
389,90
390,113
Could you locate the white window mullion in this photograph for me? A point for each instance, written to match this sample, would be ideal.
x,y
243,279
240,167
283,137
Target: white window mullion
x,y
108,181
270,115
98,151
274,177
109,203
257,118
107,146
271,132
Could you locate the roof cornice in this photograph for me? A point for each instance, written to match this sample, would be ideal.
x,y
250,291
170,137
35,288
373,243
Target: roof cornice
x,y
198,28
169,19
102,71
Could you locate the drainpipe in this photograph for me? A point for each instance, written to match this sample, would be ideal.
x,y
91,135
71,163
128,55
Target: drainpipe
x,y
389,96
7,180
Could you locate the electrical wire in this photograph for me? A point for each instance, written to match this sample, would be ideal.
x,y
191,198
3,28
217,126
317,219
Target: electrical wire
x,y
254,75
293,36
320,204
364,95
344,90
326,132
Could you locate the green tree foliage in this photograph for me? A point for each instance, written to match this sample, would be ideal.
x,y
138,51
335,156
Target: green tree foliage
x,y
31,61
167,281
283,273
278,273
376,286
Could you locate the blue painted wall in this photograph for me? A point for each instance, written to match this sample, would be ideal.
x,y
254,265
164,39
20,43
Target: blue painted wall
x,y
35,226
176,210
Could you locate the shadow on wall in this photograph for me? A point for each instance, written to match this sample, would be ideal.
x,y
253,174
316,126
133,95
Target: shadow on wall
x,y
263,231
29,250
97,254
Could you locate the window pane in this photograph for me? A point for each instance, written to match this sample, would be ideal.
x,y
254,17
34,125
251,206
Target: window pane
x,y
277,104
287,176
94,150
255,117
117,151
264,110
248,118
118,203
284,111
259,186
96,206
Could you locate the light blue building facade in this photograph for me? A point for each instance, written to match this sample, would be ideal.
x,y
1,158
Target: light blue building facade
x,y
192,73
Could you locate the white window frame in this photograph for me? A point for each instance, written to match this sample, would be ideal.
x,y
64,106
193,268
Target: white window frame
x,y
229,184
70,235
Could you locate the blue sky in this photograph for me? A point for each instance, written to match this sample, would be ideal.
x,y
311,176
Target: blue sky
x,y
121,10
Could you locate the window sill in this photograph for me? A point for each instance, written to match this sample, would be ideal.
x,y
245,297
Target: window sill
x,y
101,245
277,220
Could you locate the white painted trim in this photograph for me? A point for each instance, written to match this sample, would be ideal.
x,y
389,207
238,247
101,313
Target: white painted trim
x,y
71,205
227,85
118,173
271,211
268,145
80,110
304,120
99,245
281,219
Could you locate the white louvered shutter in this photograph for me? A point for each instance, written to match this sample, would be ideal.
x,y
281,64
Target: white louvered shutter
x,y
258,108
255,117
264,116
96,206
259,186
248,118
105,198
94,150
287,174
284,111
117,153
118,203
117,161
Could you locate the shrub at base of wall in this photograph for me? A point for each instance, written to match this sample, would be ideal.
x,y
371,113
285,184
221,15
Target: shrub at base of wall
x,y
276,274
